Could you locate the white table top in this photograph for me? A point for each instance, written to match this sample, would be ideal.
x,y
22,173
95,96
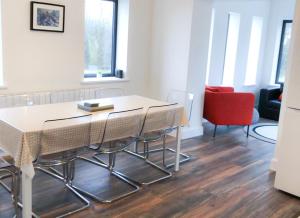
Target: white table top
x,y
31,118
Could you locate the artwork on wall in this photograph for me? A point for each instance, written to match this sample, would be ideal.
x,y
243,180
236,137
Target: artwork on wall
x,y
47,17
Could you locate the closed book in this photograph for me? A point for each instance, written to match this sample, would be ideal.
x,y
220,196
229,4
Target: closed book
x,y
95,109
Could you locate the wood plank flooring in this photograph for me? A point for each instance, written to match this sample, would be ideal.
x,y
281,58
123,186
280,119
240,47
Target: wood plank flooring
x,y
227,177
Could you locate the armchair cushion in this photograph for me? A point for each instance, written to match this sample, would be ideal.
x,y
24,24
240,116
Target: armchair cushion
x,y
276,104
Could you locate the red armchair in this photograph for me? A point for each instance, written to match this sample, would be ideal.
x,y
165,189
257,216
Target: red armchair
x,y
223,106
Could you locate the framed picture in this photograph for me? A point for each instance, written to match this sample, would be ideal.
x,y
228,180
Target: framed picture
x,y
47,17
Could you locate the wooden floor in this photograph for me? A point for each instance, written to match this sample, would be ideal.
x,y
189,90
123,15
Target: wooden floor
x,y
228,177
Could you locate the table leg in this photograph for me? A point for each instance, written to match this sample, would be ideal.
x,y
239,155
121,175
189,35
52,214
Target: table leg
x,y
27,195
178,136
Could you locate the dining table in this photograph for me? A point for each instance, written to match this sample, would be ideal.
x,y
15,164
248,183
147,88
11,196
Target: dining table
x,y
20,128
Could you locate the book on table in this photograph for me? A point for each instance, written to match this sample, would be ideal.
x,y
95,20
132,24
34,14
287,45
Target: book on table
x,y
94,106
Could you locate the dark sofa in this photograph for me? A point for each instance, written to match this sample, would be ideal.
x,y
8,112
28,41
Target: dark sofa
x,y
269,103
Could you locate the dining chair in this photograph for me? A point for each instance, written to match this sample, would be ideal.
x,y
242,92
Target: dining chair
x,y
175,97
121,130
61,141
109,92
187,100
7,170
156,121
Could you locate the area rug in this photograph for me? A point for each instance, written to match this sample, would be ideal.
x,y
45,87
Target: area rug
x,y
264,131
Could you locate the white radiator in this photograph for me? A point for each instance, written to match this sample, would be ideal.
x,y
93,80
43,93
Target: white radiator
x,y
57,96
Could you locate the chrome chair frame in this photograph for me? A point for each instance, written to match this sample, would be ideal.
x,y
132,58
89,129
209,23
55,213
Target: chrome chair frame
x,y
110,166
186,158
68,165
145,141
14,173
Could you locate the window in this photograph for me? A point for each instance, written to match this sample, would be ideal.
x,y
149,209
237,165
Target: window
x,y
231,48
254,50
211,35
100,38
284,51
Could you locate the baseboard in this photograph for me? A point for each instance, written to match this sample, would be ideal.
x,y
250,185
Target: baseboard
x,y
273,166
191,132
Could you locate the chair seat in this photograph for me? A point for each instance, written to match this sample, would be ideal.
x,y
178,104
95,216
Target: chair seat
x,y
276,104
152,136
115,146
57,159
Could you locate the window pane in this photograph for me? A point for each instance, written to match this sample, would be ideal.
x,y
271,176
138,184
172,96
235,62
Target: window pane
x,y
231,48
99,22
211,35
284,51
254,50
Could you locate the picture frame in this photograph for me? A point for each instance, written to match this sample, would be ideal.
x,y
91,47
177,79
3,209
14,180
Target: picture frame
x,y
47,17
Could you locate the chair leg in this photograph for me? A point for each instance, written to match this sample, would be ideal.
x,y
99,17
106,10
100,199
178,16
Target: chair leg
x,y
248,129
215,131
167,174
69,172
111,161
164,150
109,167
16,191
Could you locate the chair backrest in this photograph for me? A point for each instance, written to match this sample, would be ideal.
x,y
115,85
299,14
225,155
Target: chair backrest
x,y
161,117
64,134
109,92
123,124
184,98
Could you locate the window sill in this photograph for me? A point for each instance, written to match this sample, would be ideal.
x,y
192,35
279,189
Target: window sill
x,y
104,80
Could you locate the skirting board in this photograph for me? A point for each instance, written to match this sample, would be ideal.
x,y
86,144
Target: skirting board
x,y
191,132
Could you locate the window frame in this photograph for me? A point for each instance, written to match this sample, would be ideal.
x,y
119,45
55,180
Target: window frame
x,y
279,62
114,43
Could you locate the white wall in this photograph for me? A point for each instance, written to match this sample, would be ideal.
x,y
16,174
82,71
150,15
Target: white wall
x,y
171,34
37,61
199,46
247,9
179,52
273,12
